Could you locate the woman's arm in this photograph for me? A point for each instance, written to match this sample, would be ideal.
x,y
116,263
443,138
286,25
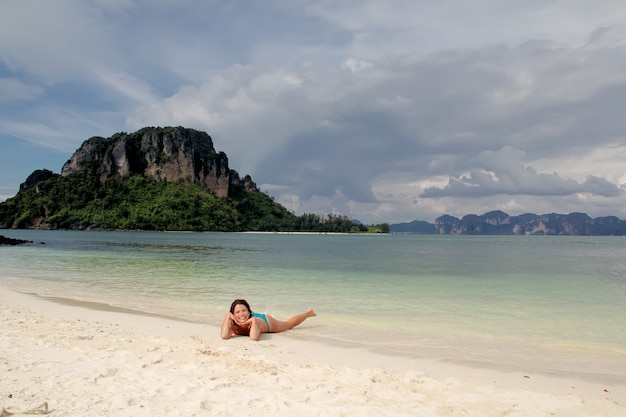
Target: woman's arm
x,y
227,326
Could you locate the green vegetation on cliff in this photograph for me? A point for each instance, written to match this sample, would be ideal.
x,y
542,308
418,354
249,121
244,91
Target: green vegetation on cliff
x,y
137,203
92,194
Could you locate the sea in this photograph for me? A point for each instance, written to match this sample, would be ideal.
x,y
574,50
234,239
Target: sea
x,y
552,304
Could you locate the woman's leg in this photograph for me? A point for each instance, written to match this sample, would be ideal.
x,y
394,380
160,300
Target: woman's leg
x,y
277,326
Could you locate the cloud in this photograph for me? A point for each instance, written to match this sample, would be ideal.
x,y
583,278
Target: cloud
x,y
380,111
503,172
11,89
312,132
355,65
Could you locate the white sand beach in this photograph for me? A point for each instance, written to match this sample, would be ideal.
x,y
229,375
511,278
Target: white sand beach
x,y
71,360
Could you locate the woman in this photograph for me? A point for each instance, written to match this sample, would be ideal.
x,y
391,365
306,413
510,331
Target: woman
x,y
241,321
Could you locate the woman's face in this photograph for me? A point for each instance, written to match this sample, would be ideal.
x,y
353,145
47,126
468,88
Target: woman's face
x,y
241,313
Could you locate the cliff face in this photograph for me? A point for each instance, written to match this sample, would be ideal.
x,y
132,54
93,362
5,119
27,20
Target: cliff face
x,y
168,178
498,222
170,154
36,177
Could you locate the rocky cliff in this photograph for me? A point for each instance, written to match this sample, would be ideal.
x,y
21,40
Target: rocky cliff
x,y
500,223
169,154
169,178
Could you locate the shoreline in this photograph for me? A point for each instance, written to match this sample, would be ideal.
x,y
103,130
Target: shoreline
x,y
576,368
96,361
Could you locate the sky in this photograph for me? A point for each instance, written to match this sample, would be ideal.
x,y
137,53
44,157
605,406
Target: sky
x,y
382,111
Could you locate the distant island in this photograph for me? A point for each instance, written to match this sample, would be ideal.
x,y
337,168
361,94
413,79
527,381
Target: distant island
x,y
500,223
157,178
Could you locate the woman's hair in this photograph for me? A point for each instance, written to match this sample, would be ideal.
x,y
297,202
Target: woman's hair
x,y
242,302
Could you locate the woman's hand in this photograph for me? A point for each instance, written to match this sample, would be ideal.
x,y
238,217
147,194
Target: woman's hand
x,y
228,325
245,325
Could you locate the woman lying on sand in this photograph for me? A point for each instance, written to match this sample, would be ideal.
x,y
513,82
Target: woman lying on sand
x,y
241,321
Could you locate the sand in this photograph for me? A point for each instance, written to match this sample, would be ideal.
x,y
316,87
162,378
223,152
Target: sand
x,y
80,360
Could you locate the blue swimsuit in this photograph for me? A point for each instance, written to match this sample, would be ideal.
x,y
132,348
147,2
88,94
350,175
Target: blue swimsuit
x,y
262,316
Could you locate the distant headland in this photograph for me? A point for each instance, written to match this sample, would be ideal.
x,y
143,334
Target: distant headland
x,y
500,223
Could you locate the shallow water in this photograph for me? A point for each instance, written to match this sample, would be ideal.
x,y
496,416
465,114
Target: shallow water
x,y
556,304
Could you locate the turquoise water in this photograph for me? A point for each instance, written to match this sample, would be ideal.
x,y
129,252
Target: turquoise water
x,y
552,303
